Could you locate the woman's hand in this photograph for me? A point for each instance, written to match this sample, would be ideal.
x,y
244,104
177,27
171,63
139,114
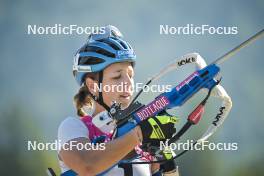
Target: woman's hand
x,y
158,128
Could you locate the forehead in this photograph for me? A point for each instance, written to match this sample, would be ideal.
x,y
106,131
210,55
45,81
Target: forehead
x,y
119,66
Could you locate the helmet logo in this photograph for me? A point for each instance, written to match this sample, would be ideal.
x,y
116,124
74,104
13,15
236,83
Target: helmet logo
x,y
125,53
86,68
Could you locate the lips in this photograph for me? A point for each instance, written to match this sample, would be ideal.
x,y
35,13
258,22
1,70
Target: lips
x,y
125,96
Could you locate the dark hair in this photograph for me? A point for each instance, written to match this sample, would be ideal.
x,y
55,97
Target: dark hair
x,y
83,97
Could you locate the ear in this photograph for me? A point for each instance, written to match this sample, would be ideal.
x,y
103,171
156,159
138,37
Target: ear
x,y
92,85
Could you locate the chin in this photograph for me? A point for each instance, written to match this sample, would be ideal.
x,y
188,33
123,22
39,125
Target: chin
x,y
125,104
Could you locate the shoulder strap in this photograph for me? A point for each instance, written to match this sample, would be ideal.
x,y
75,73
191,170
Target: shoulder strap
x,y
87,120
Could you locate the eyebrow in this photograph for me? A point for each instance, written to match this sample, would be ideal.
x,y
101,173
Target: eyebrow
x,y
118,70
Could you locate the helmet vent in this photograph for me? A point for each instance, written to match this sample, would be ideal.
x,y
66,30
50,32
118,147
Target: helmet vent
x,y
124,45
98,50
114,46
89,60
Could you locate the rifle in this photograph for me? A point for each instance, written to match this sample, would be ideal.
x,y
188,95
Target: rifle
x,y
205,77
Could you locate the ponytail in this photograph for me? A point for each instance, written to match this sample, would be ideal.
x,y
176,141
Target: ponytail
x,y
83,97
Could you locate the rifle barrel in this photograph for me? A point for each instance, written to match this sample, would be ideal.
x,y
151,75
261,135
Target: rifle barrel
x,y
236,49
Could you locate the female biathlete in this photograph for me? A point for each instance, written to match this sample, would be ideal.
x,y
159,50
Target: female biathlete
x,y
106,59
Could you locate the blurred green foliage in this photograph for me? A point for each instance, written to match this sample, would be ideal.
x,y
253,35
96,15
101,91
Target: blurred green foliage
x,y
17,128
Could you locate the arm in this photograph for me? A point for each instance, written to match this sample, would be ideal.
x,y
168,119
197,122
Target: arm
x,y
155,167
93,162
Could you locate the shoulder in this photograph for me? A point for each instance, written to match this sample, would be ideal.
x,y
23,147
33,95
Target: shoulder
x,y
71,128
71,121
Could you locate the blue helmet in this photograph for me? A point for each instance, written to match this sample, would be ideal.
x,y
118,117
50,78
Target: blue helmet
x,y
100,51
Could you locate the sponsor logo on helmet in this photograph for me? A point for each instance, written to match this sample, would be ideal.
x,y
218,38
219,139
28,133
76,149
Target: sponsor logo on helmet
x,y
125,53
86,68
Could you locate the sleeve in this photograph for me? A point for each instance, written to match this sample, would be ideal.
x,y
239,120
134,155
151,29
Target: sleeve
x,y
71,128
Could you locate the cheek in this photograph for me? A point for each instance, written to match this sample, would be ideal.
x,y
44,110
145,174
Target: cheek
x,y
109,97
109,92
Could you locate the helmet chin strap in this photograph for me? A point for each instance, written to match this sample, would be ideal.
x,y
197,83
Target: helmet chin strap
x,y
100,99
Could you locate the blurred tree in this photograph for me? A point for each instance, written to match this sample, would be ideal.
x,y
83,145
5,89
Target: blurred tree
x,y
17,127
253,168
